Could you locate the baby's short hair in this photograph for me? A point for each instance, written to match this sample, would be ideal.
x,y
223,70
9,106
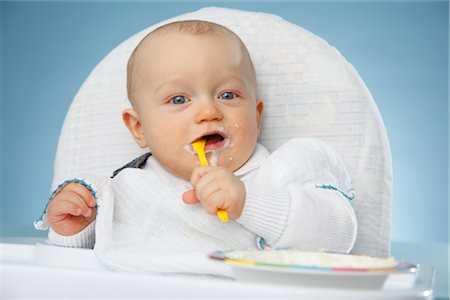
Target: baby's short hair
x,y
194,27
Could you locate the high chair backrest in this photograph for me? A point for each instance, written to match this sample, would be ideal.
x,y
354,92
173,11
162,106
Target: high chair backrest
x,y
308,88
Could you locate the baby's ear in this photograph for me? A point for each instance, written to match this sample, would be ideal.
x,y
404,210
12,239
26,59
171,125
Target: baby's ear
x,y
131,120
259,112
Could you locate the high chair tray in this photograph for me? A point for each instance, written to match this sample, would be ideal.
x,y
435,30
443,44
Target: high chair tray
x,y
44,271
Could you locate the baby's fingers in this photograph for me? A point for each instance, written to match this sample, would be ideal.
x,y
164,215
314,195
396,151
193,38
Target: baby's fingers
x,y
198,173
81,191
69,203
189,197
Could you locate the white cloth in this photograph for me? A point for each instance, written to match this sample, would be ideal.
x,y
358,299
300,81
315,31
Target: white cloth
x,y
296,197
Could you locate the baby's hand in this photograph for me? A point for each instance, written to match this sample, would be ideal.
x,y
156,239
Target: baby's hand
x,y
72,209
216,188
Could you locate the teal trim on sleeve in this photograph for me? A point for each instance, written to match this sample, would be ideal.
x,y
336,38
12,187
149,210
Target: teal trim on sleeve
x,y
260,242
350,195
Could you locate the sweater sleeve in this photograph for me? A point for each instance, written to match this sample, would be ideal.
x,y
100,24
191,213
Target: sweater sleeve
x,y
83,239
301,198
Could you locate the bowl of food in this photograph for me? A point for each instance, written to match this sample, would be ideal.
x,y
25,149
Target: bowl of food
x,y
312,268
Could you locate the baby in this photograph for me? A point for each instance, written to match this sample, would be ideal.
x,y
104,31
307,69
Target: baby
x,y
194,80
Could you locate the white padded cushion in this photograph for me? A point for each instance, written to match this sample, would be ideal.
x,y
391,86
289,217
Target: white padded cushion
x,y
309,90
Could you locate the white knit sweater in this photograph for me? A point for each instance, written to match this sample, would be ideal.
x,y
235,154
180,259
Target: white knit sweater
x,y
299,196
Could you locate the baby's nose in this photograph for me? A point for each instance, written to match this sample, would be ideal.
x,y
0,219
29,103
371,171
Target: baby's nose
x,y
208,111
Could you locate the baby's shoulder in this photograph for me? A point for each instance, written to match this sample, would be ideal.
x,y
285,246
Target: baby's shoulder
x,y
303,159
299,149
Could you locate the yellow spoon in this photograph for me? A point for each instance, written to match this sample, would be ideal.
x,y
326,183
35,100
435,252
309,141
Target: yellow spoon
x,y
199,147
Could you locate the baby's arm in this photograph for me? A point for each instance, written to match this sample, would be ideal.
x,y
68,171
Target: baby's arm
x,y
300,198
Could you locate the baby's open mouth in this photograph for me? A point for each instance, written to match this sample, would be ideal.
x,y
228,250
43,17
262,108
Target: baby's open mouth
x,y
214,141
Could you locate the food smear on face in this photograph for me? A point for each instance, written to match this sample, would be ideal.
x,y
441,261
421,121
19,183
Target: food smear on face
x,y
214,157
189,149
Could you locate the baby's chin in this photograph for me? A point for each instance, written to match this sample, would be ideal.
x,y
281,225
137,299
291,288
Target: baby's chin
x,y
182,174
224,159
232,163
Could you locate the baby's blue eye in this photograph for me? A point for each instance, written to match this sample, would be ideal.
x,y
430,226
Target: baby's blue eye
x,y
227,96
179,100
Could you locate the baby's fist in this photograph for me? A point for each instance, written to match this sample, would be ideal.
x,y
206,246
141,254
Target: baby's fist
x,y
71,209
217,188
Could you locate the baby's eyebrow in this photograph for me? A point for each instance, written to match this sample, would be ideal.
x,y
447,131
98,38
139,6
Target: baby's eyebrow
x,y
168,84
234,78
161,87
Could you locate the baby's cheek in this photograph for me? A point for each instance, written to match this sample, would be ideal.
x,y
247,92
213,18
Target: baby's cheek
x,y
231,159
230,155
160,138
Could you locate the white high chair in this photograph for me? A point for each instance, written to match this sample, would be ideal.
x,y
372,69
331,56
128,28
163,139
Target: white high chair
x,y
308,88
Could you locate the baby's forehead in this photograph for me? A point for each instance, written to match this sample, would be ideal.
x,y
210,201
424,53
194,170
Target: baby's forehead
x,y
158,47
165,38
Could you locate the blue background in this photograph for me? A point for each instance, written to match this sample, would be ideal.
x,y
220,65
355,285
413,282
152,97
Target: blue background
x,y
399,48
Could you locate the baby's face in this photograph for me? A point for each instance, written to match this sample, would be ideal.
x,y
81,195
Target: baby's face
x,y
197,86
